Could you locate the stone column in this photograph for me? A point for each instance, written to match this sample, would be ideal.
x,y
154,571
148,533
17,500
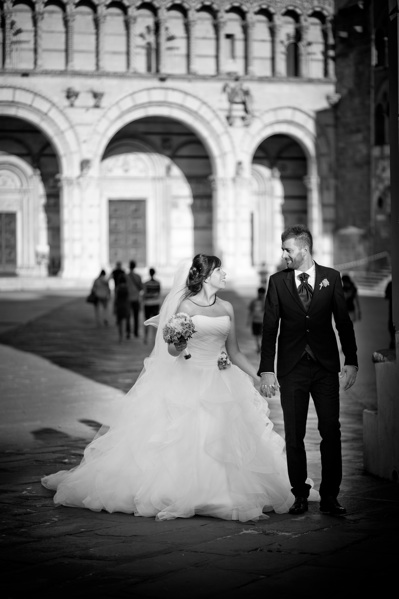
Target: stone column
x,y
7,36
314,213
69,25
161,45
38,20
278,70
73,198
99,21
221,25
304,48
329,54
250,26
130,22
192,46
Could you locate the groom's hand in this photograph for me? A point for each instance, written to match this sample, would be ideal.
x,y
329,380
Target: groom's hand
x,y
350,373
268,384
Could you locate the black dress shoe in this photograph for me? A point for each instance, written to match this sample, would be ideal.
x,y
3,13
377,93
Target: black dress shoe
x,y
330,505
300,506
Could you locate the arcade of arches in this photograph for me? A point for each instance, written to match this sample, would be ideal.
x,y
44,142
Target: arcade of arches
x,y
152,130
154,198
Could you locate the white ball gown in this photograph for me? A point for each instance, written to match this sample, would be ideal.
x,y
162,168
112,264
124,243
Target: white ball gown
x,y
187,439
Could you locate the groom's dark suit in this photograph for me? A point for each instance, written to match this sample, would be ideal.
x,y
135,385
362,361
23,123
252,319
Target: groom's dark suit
x,y
299,375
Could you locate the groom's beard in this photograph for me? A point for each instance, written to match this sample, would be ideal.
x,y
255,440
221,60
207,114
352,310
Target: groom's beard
x,y
295,263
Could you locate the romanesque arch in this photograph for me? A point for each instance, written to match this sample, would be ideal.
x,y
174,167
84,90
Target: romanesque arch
x,y
170,103
25,104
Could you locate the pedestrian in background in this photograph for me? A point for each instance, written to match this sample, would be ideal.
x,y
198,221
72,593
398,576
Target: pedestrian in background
x,y
122,307
116,273
135,287
351,298
151,299
102,294
256,310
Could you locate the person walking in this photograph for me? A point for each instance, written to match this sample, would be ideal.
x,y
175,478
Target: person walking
x,y
301,301
103,294
151,299
256,310
122,307
135,287
351,298
192,436
117,273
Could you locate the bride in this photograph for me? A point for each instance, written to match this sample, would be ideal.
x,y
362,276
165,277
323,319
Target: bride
x,y
191,437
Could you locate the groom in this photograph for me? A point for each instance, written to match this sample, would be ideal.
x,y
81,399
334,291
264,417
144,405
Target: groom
x,y
301,300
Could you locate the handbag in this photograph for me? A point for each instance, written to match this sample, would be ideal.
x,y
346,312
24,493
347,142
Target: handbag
x,y
91,298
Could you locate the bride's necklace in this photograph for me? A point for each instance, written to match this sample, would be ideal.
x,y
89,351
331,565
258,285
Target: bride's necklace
x,y
201,305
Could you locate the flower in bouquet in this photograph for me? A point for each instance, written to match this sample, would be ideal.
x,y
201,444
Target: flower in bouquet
x,y
179,327
223,361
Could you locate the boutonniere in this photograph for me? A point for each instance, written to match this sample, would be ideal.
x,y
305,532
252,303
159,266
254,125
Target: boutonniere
x,y
324,283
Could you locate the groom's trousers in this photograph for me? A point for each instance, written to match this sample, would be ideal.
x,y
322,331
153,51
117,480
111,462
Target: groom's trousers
x,y
307,378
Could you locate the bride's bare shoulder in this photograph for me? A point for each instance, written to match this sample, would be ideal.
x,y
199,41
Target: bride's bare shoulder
x,y
226,305
185,306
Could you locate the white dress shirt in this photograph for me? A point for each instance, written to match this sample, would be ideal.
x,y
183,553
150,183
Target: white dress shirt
x,y
312,276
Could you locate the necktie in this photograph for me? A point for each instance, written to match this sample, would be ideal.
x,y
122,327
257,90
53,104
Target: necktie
x,y
305,291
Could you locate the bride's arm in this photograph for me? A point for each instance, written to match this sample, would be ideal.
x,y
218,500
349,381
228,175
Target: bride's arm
x,y
236,355
175,349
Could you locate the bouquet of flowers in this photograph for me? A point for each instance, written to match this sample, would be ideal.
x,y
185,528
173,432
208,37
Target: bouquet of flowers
x,y
179,328
223,361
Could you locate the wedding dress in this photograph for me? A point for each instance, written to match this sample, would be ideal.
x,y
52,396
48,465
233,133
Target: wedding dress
x,y
187,439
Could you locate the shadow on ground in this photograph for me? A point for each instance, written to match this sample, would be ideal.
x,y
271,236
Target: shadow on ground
x,y
68,337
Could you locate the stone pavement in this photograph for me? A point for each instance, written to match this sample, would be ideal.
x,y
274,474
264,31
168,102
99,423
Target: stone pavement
x,y
59,374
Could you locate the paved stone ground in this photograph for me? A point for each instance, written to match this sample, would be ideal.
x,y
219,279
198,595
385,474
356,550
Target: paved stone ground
x,y
59,374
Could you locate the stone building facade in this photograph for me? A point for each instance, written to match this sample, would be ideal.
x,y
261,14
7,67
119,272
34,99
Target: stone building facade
x,y
153,130
361,116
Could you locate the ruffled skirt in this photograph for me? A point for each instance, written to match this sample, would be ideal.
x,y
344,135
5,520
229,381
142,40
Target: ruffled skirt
x,y
190,440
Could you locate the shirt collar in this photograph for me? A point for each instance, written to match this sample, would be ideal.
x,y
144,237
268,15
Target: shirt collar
x,y
311,272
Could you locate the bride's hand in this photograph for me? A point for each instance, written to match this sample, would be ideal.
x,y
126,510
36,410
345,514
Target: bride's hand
x,y
181,345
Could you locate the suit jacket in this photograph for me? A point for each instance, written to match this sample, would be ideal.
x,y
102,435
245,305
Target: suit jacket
x,y
284,310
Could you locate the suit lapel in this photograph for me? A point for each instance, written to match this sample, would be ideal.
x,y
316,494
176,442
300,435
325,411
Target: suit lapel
x,y
292,288
317,286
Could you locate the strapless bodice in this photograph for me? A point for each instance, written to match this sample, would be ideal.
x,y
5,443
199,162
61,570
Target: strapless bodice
x,y
209,339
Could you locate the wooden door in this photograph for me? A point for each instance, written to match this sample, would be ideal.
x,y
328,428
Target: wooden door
x,y
8,242
127,232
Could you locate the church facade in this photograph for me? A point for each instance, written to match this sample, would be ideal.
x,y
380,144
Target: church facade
x,y
156,130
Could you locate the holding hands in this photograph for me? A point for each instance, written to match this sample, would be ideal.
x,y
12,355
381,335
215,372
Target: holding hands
x,y
268,384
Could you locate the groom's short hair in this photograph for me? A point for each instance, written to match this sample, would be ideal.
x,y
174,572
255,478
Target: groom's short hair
x,y
299,232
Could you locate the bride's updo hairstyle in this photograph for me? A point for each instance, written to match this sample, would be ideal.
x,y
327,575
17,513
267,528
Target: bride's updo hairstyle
x,y
201,268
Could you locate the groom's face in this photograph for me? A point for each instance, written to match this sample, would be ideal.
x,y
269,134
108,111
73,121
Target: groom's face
x,y
293,254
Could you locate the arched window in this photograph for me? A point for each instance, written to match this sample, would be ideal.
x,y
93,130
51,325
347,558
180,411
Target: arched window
x,y
206,43
292,60
291,35
263,60
234,42
149,57
317,46
380,48
176,46
84,40
22,37
145,57
115,39
53,37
